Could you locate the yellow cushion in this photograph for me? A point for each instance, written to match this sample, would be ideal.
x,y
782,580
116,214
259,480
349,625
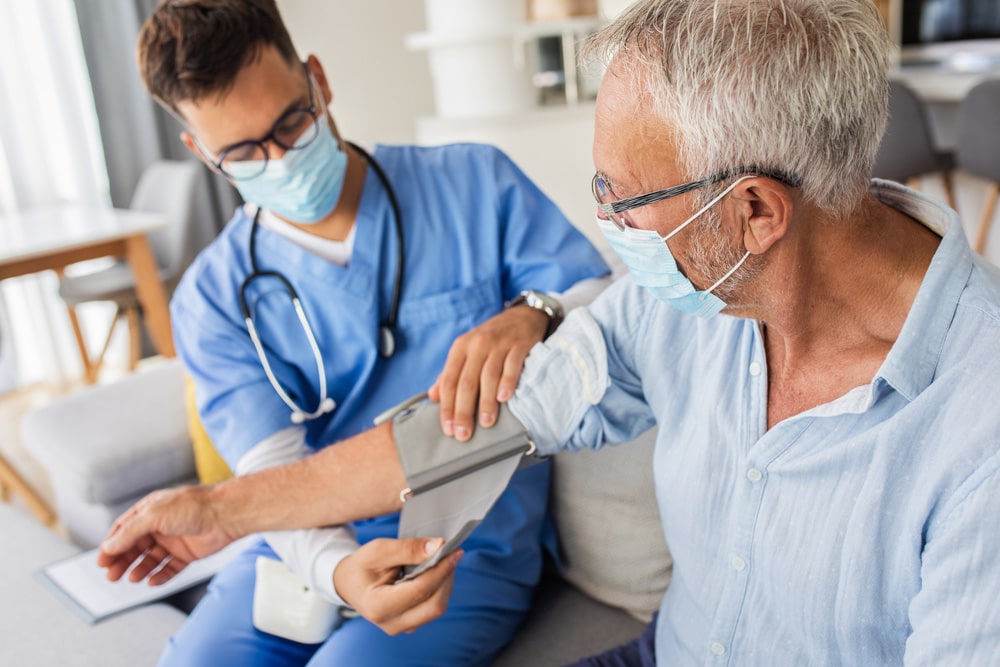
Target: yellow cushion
x,y
211,467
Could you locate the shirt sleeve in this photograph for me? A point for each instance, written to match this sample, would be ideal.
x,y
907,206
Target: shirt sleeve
x,y
581,388
311,554
955,617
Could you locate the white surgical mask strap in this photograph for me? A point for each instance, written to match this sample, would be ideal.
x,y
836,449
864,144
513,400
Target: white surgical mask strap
x,y
728,273
706,207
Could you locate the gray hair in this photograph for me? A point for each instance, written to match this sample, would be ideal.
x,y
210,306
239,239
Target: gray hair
x,y
794,86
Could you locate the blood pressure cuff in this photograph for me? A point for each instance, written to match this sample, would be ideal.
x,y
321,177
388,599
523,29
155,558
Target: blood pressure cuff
x,y
452,485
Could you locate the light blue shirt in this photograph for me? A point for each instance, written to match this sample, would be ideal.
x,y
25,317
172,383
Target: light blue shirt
x,y
865,531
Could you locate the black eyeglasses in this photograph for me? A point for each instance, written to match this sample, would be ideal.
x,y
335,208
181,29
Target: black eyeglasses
x,y
295,129
616,209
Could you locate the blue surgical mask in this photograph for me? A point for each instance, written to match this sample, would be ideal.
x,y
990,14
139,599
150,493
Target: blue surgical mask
x,y
653,267
304,185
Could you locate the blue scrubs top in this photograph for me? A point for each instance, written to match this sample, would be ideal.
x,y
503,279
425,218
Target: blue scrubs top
x,y
476,232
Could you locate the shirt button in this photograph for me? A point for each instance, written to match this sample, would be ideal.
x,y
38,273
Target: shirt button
x,y
755,368
718,649
754,475
738,564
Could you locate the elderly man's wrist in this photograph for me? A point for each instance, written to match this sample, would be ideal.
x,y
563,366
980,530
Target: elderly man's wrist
x,y
222,506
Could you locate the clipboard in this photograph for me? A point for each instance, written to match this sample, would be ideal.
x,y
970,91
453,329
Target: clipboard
x,y
84,587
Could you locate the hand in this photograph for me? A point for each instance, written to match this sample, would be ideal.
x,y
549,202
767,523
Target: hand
x,y
366,581
485,362
171,527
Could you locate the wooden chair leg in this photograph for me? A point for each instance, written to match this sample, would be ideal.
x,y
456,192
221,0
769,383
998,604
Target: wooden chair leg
x,y
989,208
89,372
913,183
89,369
10,478
949,189
107,342
134,337
4,493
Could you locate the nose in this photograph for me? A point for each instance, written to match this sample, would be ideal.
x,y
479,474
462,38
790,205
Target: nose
x,y
274,150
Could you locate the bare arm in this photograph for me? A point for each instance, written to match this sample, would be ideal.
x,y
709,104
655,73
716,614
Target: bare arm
x,y
358,478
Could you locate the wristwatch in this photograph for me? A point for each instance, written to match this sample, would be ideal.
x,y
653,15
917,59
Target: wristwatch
x,y
543,302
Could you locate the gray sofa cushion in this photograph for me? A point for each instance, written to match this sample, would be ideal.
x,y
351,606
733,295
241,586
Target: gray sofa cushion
x,y
565,625
39,629
604,505
108,443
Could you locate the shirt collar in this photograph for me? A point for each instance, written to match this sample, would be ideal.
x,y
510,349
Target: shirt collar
x,y
912,361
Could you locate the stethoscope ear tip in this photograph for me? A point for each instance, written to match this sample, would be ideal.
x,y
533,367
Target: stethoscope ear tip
x,y
298,417
327,405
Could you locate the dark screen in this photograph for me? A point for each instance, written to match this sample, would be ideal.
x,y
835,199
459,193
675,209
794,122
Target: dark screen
x,y
928,21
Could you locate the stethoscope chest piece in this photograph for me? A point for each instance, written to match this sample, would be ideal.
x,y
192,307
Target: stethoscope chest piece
x,y
386,341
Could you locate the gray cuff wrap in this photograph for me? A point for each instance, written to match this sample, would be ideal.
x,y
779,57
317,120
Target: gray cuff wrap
x,y
430,458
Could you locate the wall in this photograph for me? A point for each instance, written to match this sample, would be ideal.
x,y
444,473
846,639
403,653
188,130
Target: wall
x,y
379,87
383,91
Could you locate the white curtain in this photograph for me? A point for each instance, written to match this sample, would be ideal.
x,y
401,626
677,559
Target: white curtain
x,y
50,151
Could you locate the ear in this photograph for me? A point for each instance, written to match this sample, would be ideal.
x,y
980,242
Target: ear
x,y
764,206
316,69
188,140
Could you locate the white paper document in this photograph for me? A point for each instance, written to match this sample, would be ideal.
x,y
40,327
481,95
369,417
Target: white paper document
x,y
84,586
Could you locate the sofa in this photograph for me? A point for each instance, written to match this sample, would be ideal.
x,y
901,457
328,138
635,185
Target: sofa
x,y
107,446
38,628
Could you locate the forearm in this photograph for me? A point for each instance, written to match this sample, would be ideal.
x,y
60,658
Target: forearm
x,y
355,479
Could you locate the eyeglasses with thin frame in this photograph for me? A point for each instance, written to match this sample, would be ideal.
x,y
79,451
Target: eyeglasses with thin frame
x,y
616,210
294,130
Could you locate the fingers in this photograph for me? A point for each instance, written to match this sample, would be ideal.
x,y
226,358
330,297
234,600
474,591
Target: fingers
x,y
170,569
467,392
482,369
130,528
447,385
118,564
489,381
148,562
436,586
393,553
513,364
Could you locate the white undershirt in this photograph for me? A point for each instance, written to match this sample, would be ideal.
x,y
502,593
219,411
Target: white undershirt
x,y
335,252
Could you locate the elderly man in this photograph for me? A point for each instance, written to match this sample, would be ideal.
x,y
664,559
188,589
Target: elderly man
x,y
827,467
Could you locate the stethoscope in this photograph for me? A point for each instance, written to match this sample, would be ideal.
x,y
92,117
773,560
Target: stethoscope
x,y
387,336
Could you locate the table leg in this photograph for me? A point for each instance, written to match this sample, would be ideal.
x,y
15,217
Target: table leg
x,y
9,479
152,296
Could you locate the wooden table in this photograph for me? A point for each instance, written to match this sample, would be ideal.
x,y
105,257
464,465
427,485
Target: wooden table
x,y
53,237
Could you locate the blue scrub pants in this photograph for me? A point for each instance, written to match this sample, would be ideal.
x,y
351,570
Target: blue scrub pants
x,y
483,614
494,585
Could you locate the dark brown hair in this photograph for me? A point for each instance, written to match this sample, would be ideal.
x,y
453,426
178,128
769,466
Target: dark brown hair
x,y
189,49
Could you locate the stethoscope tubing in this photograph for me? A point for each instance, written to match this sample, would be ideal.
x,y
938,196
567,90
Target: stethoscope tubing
x,y
387,338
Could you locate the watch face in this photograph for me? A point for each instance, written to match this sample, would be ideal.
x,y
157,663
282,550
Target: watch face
x,y
544,302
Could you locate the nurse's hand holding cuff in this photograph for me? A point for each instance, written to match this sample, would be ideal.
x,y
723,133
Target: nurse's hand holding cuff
x,y
485,364
366,580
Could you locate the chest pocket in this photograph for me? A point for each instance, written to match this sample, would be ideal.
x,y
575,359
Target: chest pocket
x,y
458,309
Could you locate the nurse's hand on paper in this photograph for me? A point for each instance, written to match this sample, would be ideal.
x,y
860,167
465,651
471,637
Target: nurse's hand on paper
x,y
483,368
366,581
171,527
